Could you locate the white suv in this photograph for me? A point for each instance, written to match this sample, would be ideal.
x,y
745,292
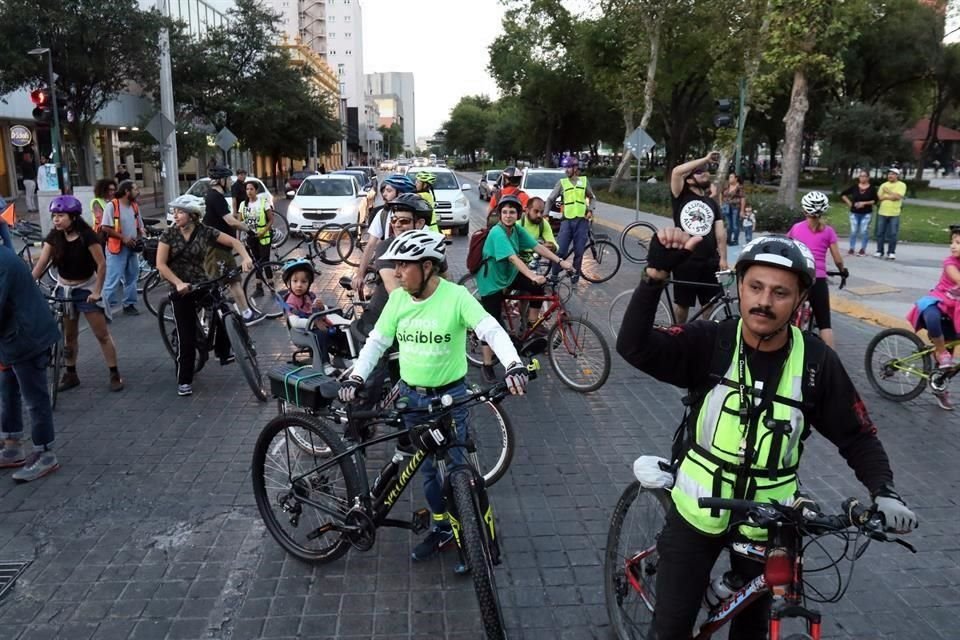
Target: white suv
x,y
453,208
324,199
201,186
540,182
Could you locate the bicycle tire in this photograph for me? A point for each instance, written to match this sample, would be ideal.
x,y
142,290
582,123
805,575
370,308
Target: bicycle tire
x,y
271,455
347,244
601,261
168,329
55,368
323,241
474,350
268,303
562,336
246,355
723,312
279,230
618,308
633,622
635,241
152,290
473,540
494,441
880,369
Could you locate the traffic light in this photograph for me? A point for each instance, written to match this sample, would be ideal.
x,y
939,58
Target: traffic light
x,y
724,117
43,110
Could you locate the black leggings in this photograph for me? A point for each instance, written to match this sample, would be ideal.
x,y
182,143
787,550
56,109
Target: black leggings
x,y
820,303
493,303
185,315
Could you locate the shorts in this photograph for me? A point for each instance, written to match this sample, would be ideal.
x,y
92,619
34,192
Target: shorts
x,y
493,303
820,303
214,257
79,297
694,270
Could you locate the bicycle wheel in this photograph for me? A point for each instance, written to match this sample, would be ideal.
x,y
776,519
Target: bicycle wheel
x,y
579,354
279,230
349,246
618,308
635,241
601,261
630,560
325,242
474,350
898,364
55,368
261,286
144,272
246,355
492,433
474,540
725,311
168,329
288,488
154,292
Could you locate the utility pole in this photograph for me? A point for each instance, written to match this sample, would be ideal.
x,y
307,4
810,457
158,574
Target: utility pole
x,y
168,146
741,122
55,144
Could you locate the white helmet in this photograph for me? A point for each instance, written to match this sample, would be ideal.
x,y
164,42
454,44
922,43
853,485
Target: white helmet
x,y
417,245
191,204
815,203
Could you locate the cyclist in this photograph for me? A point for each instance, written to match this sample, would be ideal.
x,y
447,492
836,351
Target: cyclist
x,y
942,303
429,316
798,383
578,202
510,181
75,251
257,215
503,269
219,216
424,188
181,255
818,236
535,222
393,185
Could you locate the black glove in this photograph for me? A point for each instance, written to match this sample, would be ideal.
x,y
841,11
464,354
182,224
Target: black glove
x,y
663,259
349,387
896,516
844,273
517,378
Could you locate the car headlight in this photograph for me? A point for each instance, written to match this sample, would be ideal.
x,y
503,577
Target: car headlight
x,y
347,210
461,202
294,210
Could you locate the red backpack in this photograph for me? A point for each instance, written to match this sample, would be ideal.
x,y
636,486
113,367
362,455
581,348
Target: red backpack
x,y
475,259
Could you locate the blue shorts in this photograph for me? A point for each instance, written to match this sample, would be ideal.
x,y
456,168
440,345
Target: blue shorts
x,y
79,297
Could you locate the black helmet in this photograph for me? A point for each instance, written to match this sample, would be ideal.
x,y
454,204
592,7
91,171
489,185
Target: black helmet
x,y
780,252
514,200
512,174
219,172
413,203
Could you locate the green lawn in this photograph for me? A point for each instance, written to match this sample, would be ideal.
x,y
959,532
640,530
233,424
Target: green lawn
x,y
947,195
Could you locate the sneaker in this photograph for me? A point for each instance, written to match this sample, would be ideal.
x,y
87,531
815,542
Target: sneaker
x,y
39,464
851,252
488,373
437,539
69,380
943,399
891,256
878,254
861,253
945,360
184,390
12,456
130,310
252,317
258,292
574,279
230,359
116,384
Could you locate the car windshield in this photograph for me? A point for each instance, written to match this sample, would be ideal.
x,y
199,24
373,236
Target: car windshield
x,y
199,189
446,181
359,175
542,180
301,175
492,176
326,188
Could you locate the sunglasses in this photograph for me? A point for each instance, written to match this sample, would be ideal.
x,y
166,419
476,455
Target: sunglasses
x,y
394,220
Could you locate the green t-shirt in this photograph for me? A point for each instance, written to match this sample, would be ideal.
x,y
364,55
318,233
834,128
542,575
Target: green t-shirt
x,y
431,333
498,272
539,230
892,207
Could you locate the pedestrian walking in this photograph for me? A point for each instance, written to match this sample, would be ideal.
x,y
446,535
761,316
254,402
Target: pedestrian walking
x,y
860,198
28,169
122,174
732,203
124,230
890,195
25,354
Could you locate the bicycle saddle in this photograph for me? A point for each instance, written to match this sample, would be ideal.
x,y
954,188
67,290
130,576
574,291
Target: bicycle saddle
x,y
346,282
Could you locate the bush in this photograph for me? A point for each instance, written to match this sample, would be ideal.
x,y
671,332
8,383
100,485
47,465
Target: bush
x,y
773,216
600,172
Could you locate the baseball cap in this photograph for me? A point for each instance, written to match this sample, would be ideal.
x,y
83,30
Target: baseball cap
x,y
894,170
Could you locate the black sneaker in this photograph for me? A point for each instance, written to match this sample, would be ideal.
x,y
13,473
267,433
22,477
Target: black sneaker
x,y
437,539
488,373
230,359
130,310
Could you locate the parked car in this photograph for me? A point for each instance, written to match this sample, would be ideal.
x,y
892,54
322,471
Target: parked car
x,y
323,199
362,178
295,179
453,209
201,186
388,165
489,183
371,174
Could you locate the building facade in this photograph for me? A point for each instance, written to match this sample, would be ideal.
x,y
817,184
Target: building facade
x,y
401,85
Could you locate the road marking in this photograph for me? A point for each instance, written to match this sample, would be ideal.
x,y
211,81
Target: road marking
x,y
872,289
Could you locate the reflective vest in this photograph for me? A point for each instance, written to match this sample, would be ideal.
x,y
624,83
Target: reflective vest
x,y
426,195
259,222
97,222
713,465
114,245
574,197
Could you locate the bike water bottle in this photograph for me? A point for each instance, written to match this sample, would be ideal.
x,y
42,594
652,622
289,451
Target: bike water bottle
x,y
720,589
386,474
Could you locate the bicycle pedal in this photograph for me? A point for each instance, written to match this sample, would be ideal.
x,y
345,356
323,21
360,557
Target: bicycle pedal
x,y
420,521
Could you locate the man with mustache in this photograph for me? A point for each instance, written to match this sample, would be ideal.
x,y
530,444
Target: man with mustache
x,y
743,436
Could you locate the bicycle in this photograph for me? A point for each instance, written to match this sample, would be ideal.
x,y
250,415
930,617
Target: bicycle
x,y
576,342
635,241
630,566
899,365
213,303
32,237
338,504
601,258
58,351
804,318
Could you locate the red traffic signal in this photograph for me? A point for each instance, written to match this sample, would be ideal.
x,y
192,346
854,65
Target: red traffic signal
x,y
43,113
39,97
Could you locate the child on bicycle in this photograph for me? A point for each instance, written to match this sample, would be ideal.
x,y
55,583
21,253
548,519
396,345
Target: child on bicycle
x,y
942,303
818,236
300,303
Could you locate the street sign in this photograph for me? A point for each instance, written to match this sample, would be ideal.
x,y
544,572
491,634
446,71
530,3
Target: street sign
x,y
20,136
225,139
639,142
159,126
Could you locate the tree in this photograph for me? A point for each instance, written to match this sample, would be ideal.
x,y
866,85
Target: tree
x,y
946,93
392,139
466,129
98,48
862,135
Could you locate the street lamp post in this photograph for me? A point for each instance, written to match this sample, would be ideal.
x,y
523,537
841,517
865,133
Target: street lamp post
x,y
57,151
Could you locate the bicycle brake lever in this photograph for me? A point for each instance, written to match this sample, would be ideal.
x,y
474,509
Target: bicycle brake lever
x,y
903,543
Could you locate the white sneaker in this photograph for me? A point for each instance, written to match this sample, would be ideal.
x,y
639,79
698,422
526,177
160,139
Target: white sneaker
x,y
878,254
891,256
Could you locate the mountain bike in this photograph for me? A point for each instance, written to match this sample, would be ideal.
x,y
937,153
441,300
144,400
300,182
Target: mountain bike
x,y
635,241
576,349
213,304
631,560
316,507
58,352
899,365
804,318
601,258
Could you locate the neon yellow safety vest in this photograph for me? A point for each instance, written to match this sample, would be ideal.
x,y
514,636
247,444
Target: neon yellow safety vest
x,y
261,219
711,465
426,195
574,197
103,205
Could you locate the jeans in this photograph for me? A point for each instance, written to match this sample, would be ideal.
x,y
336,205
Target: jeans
x,y
572,230
888,227
747,233
30,187
123,266
731,217
432,482
859,226
26,383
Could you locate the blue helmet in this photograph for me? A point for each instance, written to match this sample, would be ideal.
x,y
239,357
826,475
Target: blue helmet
x,y
400,184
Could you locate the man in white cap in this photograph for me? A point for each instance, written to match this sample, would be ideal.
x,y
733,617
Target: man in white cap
x,y
890,194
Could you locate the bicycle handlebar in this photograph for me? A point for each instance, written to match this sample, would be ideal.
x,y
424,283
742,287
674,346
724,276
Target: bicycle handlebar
x,y
843,278
214,282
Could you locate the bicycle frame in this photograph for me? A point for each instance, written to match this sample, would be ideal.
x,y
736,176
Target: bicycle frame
x,y
556,306
918,356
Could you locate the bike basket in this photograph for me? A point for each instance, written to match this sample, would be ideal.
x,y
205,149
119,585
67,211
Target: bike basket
x,y
150,251
302,386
